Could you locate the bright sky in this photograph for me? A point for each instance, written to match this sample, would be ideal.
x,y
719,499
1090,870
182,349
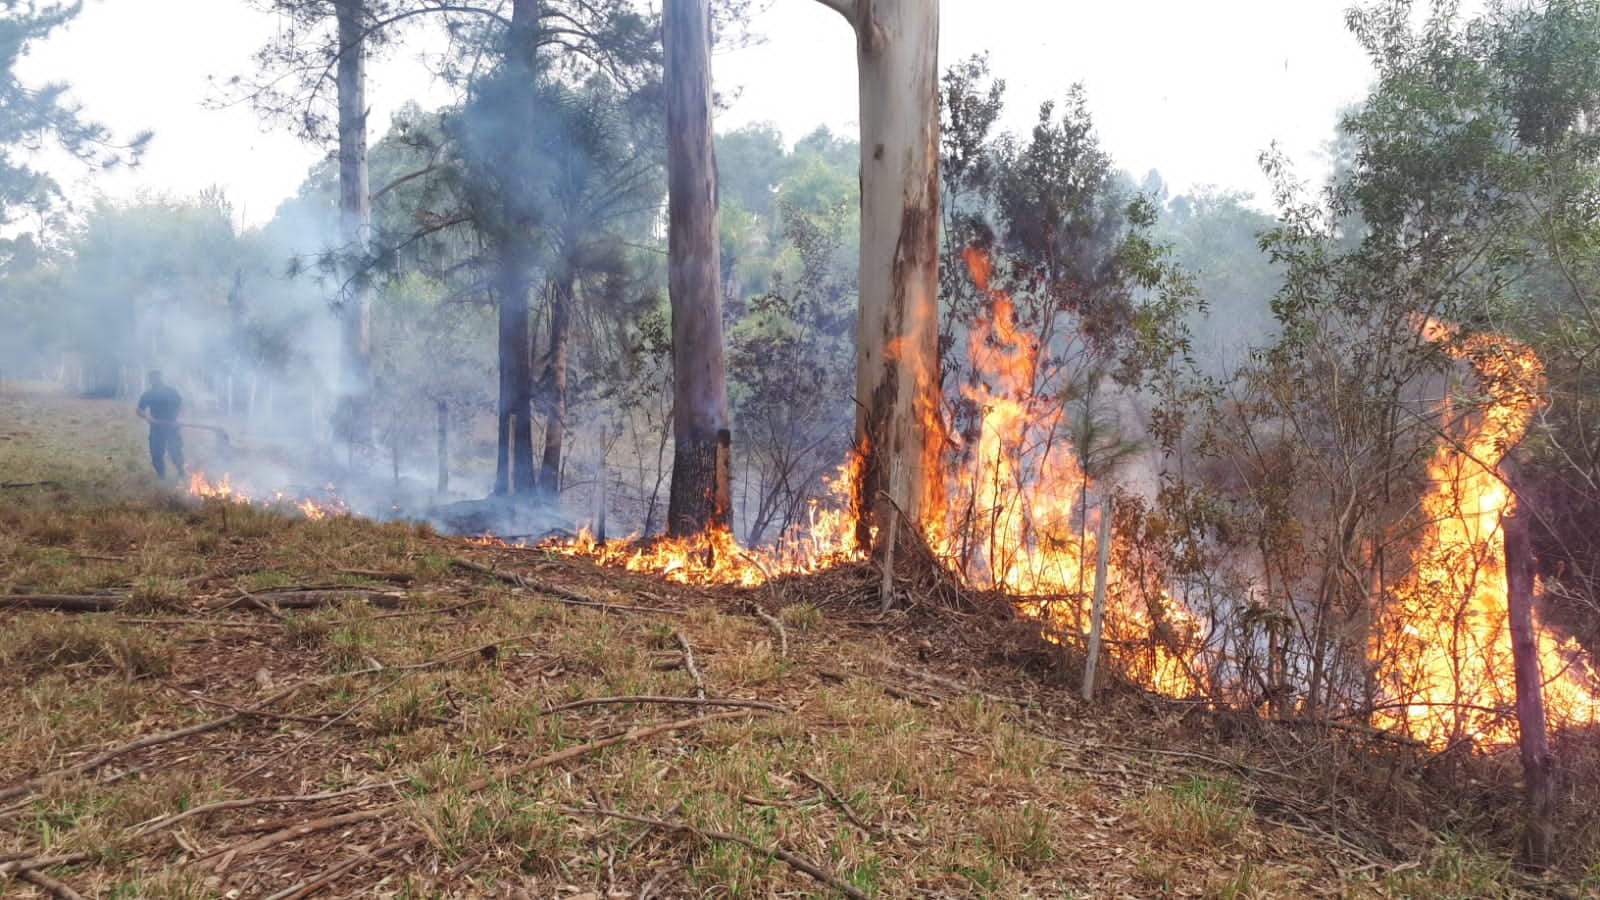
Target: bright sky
x,y
1194,89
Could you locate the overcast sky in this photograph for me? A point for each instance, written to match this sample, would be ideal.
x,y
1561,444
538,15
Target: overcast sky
x,y
1194,89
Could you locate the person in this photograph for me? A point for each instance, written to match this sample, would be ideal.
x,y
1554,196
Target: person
x,y
159,406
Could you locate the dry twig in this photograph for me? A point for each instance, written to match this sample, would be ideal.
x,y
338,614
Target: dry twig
x,y
28,786
837,801
678,701
294,832
57,889
688,664
29,863
799,863
569,597
777,626
310,886
152,825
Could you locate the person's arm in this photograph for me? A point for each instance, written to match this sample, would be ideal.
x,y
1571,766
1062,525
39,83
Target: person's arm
x,y
143,411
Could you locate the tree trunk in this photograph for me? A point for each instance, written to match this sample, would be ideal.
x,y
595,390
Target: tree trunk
x,y
354,415
443,484
898,413
555,381
698,499
1533,740
514,472
1097,612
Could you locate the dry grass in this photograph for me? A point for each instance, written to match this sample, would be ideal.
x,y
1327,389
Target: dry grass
x,y
893,784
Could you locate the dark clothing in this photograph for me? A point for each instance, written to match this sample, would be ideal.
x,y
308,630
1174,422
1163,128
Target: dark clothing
x,y
163,403
165,438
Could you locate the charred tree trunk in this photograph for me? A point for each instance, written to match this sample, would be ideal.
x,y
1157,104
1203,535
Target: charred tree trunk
x,y
354,408
699,496
897,363
554,380
1533,740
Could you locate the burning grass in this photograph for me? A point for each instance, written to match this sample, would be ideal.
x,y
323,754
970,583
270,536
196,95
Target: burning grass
x,y
927,752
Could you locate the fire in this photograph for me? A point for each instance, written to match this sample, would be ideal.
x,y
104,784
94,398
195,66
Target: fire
x,y
1018,518
1445,646
825,541
224,489
1020,515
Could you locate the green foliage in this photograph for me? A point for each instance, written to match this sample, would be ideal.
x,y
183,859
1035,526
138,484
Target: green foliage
x,y
34,115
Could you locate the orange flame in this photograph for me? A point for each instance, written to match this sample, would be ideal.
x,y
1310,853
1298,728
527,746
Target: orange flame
x,y
826,540
1018,517
1445,645
224,489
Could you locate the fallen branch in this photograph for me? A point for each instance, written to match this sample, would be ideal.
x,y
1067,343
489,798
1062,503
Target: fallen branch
x,y
311,886
310,598
633,734
153,825
29,786
55,888
688,664
950,683
224,857
294,832
797,862
482,651
9,485
64,602
837,801
679,701
442,610
28,864
777,626
375,575
569,597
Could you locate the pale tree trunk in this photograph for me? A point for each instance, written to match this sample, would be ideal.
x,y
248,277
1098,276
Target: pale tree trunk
x,y
354,416
1533,739
1097,610
698,499
555,381
898,414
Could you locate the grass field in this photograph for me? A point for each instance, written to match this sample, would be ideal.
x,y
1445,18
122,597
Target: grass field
x,y
212,700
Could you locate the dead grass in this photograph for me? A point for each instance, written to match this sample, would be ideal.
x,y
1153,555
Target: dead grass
x,y
979,779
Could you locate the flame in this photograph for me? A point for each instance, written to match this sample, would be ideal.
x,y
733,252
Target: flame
x,y
1020,516
826,540
1017,518
224,490
1443,644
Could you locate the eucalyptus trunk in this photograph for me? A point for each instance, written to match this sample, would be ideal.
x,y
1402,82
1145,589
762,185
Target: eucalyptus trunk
x,y
899,429
699,496
554,380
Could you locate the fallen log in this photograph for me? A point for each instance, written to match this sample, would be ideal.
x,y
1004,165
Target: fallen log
x,y
64,602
